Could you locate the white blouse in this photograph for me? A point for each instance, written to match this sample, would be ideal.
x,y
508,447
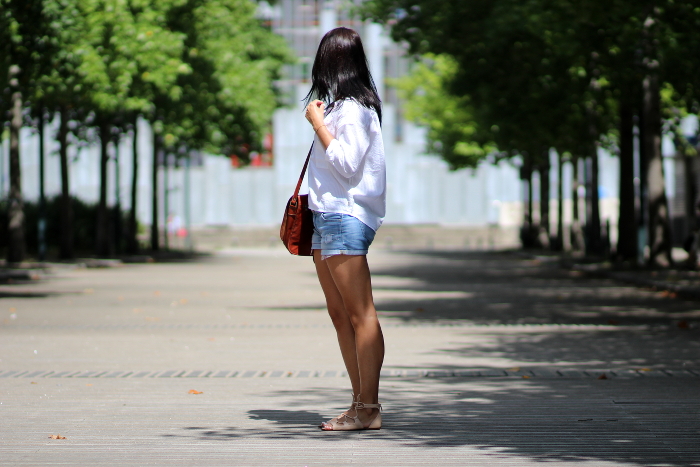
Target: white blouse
x,y
349,177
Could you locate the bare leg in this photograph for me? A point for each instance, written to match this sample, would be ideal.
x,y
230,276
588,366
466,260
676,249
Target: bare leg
x,y
341,321
351,277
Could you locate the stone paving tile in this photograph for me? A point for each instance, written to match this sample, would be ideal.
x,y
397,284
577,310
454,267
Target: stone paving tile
x,y
491,360
551,372
258,421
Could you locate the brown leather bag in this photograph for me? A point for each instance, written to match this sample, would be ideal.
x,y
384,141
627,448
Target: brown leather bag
x,y
298,222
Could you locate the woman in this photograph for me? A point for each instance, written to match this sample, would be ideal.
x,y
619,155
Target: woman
x,y
347,181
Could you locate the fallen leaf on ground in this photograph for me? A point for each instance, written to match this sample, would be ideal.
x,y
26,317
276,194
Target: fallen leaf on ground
x,y
57,437
683,324
420,310
211,339
34,382
515,368
526,377
644,369
194,391
157,293
603,376
183,301
88,384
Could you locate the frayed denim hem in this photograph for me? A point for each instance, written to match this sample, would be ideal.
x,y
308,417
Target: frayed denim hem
x,y
325,254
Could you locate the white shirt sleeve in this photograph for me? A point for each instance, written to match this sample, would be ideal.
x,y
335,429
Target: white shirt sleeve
x,y
349,176
347,151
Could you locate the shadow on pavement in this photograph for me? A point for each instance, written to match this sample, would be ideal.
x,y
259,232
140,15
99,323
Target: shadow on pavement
x,y
26,294
620,348
641,421
504,288
546,420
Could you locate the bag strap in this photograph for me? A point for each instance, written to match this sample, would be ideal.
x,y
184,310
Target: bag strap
x,y
303,171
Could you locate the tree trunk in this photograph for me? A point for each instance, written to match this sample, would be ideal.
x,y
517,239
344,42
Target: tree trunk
x,y
691,192
132,241
15,231
117,230
577,242
543,237
66,250
154,194
526,228
41,227
594,244
691,214
526,232
102,232
529,199
559,244
642,200
659,228
627,223
166,202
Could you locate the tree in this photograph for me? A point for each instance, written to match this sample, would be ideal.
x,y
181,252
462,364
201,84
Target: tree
x,y
227,100
516,70
58,90
556,73
452,131
124,39
23,36
105,63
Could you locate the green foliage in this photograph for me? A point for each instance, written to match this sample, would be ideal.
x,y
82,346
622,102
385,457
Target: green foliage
x,y
201,71
674,108
202,68
550,73
227,100
119,43
25,41
452,130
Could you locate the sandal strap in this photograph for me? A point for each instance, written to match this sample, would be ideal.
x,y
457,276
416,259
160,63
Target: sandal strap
x,y
362,405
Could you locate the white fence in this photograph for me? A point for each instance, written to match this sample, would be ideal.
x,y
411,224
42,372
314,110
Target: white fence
x,y
421,189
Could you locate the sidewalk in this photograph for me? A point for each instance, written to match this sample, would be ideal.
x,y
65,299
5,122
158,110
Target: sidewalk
x,y
492,359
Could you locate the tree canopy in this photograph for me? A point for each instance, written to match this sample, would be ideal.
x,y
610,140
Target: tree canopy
x,y
540,74
201,71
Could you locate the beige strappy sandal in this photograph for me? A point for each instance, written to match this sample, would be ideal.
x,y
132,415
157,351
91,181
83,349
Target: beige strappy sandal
x,y
335,420
347,422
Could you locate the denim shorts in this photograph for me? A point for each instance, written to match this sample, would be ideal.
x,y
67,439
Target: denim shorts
x,y
340,234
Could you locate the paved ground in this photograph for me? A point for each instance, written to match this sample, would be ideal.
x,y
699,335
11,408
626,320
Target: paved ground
x,y
492,359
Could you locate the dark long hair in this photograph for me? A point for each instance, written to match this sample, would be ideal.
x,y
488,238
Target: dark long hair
x,y
341,71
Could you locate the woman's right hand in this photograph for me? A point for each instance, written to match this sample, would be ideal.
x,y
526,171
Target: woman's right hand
x,y
315,112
